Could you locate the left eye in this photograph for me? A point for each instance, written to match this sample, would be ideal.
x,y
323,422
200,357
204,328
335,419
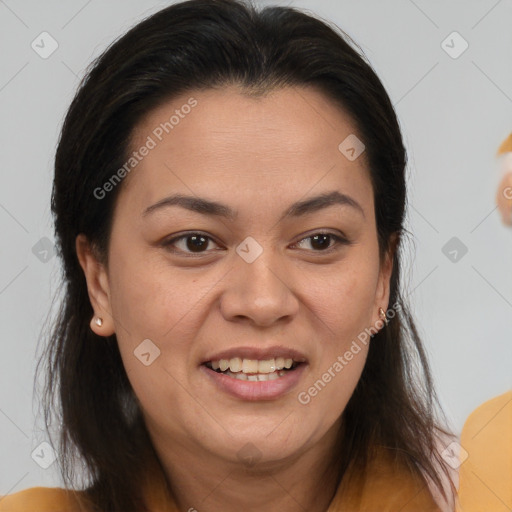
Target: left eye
x,y
322,241
197,242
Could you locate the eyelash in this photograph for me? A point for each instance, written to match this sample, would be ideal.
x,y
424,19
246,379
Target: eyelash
x,y
339,241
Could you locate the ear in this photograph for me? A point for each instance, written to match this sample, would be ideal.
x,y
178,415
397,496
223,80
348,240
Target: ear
x,y
97,286
382,291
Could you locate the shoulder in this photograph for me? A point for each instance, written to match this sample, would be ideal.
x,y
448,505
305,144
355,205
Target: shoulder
x,y
386,486
410,493
41,499
486,460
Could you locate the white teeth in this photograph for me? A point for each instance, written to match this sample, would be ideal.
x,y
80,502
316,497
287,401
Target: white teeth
x,y
250,366
279,363
237,364
256,376
267,366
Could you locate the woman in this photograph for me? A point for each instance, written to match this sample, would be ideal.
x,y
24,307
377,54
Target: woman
x,y
229,200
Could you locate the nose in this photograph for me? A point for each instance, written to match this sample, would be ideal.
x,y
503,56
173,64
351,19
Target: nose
x,y
261,291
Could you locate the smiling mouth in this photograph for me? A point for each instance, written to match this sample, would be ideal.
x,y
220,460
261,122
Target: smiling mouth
x,y
252,369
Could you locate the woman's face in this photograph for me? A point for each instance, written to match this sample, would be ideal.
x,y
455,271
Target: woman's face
x,y
246,268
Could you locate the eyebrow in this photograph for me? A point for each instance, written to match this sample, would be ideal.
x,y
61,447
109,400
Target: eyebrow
x,y
213,208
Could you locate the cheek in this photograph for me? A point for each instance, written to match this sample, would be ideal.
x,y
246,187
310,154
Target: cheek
x,y
342,352
332,382
344,298
149,301
344,308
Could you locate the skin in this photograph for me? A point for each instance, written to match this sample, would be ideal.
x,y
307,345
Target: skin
x,y
258,156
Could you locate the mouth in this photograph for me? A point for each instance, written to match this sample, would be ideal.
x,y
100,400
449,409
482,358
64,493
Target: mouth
x,y
253,374
254,370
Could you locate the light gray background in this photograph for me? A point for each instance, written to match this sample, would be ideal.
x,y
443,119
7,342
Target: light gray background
x,y
454,113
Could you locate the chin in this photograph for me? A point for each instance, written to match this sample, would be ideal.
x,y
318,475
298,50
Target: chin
x,y
266,446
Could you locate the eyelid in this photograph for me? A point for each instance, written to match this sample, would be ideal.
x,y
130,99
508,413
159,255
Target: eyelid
x,y
340,240
339,237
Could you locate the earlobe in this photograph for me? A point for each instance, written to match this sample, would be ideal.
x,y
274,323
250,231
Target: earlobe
x,y
97,287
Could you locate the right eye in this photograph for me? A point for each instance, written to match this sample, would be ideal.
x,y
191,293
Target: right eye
x,y
191,243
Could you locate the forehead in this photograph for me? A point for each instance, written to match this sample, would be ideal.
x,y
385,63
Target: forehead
x,y
230,142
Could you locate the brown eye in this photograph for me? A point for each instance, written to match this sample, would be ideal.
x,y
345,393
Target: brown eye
x,y
191,243
321,242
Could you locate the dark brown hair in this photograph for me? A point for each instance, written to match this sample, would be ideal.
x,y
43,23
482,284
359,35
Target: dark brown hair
x,y
194,45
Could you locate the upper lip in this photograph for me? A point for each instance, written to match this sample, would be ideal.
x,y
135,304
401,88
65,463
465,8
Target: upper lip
x,y
257,353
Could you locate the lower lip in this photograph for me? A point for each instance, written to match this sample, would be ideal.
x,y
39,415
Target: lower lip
x,y
255,390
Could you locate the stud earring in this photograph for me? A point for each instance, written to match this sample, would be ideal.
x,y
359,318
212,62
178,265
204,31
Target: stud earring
x,y
382,315
98,321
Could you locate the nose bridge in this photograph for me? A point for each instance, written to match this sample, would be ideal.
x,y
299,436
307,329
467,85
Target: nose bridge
x,y
259,286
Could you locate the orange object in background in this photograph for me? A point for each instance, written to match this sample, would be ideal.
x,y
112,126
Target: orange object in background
x,y
504,190
506,145
486,475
